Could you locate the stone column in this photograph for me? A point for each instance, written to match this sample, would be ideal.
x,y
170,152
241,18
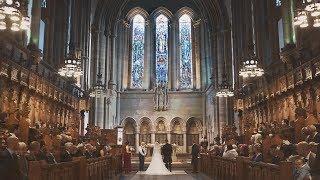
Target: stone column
x,y
174,55
169,137
153,137
196,55
137,141
147,57
184,150
112,39
35,22
125,70
287,11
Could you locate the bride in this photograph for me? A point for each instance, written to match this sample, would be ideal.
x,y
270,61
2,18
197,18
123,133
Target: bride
x,y
157,166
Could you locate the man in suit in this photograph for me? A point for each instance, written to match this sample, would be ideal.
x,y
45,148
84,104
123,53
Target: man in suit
x,y
195,150
142,153
9,165
166,151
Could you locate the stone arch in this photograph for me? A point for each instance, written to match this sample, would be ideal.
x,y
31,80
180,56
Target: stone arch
x,y
135,11
145,130
177,131
193,131
161,10
186,10
176,125
130,129
161,130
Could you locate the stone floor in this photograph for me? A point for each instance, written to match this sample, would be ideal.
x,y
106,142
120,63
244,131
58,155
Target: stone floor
x,y
177,175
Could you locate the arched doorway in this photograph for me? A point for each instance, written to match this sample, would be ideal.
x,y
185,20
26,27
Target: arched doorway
x,y
176,131
145,130
194,128
161,130
129,131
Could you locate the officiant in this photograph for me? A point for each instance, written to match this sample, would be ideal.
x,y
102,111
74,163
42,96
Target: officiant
x,y
142,154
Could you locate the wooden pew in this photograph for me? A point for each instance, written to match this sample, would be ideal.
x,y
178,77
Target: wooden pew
x,y
79,169
243,169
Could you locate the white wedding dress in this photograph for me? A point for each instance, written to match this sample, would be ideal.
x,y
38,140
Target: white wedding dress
x,y
157,166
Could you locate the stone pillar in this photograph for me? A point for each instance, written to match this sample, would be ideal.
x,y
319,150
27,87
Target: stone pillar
x,y
35,22
112,39
153,137
287,11
125,70
184,150
147,57
169,137
137,141
174,56
196,56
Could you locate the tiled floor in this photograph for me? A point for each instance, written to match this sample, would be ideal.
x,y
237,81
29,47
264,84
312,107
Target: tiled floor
x,y
177,175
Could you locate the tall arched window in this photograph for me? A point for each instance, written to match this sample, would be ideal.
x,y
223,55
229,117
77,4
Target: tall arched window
x,y
137,55
185,39
161,48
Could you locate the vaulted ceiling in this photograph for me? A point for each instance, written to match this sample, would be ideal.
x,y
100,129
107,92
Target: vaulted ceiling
x,y
107,12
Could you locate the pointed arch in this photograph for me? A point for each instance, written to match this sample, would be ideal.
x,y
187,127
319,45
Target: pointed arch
x,y
185,52
137,50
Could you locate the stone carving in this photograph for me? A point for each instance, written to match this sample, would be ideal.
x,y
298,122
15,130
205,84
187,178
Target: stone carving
x,y
161,97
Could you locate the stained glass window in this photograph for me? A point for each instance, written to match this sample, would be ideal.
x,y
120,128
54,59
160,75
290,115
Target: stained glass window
x,y
185,52
161,49
137,55
278,3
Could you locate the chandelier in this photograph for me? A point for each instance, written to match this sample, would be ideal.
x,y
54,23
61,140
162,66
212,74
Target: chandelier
x,y
12,16
99,90
250,66
225,89
72,65
309,13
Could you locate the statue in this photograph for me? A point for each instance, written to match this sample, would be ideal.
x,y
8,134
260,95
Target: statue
x,y
161,97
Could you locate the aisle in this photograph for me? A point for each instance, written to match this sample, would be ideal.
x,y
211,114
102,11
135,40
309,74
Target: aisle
x,y
177,175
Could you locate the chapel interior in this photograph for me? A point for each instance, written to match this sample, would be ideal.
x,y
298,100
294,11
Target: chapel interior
x,y
99,79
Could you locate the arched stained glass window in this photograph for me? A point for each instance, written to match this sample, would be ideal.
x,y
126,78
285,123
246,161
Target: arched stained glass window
x,y
161,49
185,40
137,56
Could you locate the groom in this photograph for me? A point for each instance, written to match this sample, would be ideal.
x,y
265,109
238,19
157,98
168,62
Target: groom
x,y
166,151
142,153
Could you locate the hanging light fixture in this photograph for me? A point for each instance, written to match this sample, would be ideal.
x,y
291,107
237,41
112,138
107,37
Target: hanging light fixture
x,y
250,66
308,13
99,90
12,16
225,89
72,64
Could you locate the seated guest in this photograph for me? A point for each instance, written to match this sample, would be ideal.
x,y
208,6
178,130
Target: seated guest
x,y
230,152
9,165
302,170
313,136
80,150
276,155
315,165
22,160
34,154
49,156
88,151
216,151
257,153
243,150
66,155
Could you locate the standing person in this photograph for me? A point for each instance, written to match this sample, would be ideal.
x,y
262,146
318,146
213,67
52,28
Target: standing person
x,y
166,151
142,154
127,158
9,165
195,154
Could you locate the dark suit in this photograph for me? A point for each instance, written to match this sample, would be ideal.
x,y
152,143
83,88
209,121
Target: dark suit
x,y
195,154
9,166
257,157
166,151
66,156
